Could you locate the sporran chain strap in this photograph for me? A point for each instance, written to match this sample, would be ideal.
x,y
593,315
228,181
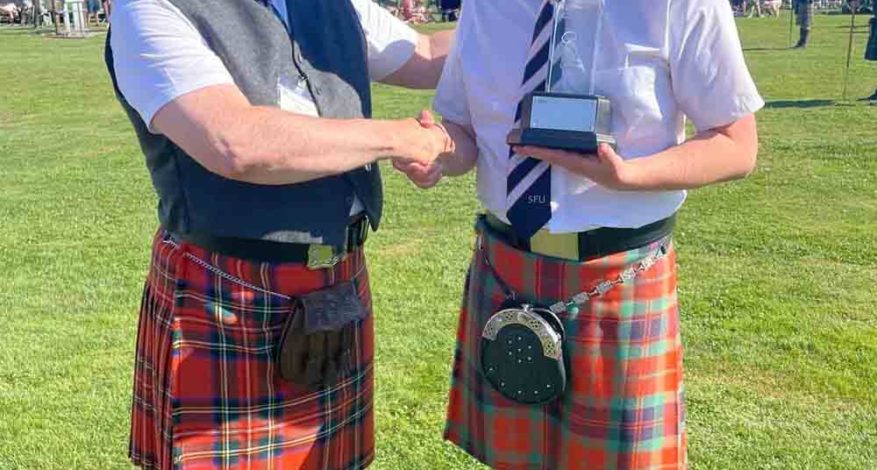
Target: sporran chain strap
x,y
573,305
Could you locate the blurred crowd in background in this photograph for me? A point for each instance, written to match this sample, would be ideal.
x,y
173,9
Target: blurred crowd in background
x,y
411,11
47,12
424,11
765,8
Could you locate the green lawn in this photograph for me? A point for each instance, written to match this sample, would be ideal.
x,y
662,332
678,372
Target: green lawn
x,y
778,273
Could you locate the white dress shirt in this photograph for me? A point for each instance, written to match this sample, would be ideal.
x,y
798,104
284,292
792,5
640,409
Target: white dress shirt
x,y
658,61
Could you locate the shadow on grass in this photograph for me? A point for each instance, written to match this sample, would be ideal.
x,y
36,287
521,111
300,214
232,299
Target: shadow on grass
x,y
25,31
763,49
16,29
799,104
47,31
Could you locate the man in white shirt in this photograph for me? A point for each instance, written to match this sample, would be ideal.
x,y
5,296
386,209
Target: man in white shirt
x,y
255,344
587,235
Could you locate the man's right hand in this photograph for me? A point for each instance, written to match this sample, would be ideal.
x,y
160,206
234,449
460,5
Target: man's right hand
x,y
433,141
427,173
458,159
221,130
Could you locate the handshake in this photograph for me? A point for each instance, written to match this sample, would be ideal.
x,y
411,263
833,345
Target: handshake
x,y
432,149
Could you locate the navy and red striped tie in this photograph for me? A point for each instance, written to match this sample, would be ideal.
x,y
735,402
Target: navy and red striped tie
x,y
528,184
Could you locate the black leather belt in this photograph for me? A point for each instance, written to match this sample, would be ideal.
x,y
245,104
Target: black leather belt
x,y
584,245
314,255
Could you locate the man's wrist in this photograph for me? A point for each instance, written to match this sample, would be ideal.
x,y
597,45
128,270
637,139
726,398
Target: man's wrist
x,y
404,136
448,144
633,176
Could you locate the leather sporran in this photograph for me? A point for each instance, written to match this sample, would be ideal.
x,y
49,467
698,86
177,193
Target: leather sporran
x,y
318,340
522,354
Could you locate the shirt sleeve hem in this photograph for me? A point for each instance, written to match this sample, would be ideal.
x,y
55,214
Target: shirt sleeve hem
x,y
744,106
454,116
403,51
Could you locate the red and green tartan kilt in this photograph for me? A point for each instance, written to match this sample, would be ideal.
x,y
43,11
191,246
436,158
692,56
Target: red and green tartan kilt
x,y
206,391
623,408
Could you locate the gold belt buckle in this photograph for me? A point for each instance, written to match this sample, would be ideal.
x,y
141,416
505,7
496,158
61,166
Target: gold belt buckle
x,y
323,257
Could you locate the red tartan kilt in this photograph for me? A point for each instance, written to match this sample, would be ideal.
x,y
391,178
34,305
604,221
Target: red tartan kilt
x,y
623,408
206,390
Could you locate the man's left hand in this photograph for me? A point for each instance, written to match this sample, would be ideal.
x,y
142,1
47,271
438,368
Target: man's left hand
x,y
606,168
424,176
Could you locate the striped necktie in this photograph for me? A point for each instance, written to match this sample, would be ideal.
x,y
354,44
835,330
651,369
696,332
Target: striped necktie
x,y
528,184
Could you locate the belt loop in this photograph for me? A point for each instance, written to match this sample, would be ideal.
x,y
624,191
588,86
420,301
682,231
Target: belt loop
x,y
364,228
347,247
330,273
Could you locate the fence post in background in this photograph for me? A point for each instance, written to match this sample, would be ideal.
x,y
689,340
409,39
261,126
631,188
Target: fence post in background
x,y
37,13
853,7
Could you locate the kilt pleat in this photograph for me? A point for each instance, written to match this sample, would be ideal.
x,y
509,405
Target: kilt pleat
x,y
624,406
206,393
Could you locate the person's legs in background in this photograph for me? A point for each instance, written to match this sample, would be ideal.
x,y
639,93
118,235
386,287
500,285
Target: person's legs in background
x,y
804,20
93,8
753,8
871,49
107,7
449,9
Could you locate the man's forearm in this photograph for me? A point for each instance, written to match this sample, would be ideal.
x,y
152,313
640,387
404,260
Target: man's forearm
x,y
721,154
711,157
275,147
220,129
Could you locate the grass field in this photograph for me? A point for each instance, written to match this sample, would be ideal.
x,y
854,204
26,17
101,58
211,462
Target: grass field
x,y
778,273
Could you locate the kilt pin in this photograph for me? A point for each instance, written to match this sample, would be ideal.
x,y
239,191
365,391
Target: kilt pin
x,y
206,391
623,407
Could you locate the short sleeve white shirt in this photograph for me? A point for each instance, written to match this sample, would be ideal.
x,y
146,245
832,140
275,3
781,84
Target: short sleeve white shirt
x,y
658,61
159,55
